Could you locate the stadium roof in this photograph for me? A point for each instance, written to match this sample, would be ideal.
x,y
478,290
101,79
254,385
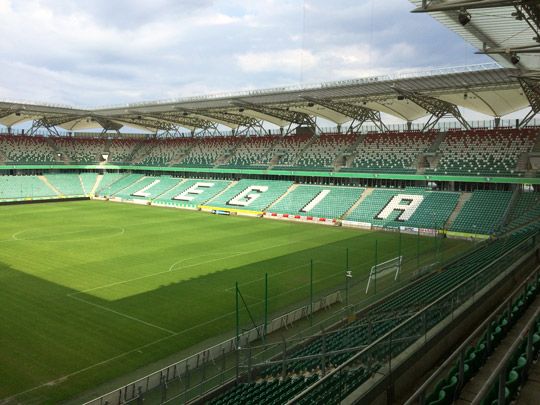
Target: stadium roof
x,y
485,88
499,28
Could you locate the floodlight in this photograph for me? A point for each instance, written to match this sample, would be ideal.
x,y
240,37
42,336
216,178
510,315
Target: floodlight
x,y
464,17
514,59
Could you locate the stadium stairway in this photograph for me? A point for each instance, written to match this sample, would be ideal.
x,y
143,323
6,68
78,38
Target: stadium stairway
x,y
96,184
353,150
59,155
291,188
471,389
43,179
224,159
233,183
170,189
463,198
177,160
306,147
437,142
367,192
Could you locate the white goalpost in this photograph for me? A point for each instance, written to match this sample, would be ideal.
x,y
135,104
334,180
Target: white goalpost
x,y
385,268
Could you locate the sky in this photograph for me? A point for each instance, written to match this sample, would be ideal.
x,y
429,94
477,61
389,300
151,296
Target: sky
x,y
102,52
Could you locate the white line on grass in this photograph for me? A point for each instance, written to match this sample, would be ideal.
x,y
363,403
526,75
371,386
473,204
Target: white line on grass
x,y
160,272
138,348
184,267
271,275
14,236
121,314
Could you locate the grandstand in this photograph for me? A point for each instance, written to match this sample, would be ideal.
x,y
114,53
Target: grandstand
x,y
215,303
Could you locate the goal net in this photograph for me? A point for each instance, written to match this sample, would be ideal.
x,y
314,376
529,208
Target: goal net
x,y
383,269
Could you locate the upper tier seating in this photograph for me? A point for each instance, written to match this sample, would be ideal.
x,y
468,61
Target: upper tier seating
x,y
163,152
334,203
120,150
66,183
287,150
12,187
482,213
251,195
208,150
23,149
88,180
82,150
483,152
194,192
431,212
148,188
322,153
252,152
389,152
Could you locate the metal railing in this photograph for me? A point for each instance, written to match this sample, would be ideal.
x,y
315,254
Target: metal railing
x,y
500,371
382,351
459,353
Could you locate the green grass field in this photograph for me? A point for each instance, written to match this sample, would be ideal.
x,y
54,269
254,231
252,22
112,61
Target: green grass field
x,y
91,290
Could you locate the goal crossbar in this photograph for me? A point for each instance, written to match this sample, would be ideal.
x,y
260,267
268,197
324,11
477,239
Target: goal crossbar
x,y
385,268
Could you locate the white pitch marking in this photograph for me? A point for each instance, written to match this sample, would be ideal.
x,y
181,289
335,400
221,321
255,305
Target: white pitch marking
x,y
161,272
183,267
131,351
14,236
271,275
121,314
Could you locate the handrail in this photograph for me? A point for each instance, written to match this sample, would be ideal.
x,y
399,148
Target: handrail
x,y
502,364
414,317
423,388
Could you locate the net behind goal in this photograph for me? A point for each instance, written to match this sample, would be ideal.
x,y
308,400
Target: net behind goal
x,y
384,269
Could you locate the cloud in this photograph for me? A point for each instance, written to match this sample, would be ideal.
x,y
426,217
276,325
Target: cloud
x,y
106,52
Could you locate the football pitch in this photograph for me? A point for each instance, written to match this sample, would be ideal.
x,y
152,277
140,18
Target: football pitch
x,y
91,290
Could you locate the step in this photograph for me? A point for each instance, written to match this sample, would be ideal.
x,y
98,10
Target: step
x,y
475,385
290,189
437,142
98,180
463,198
366,192
44,179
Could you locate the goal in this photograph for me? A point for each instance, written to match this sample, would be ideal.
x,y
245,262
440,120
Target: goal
x,y
383,269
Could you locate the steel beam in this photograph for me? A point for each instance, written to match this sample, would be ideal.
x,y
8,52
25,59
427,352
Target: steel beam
x,y
436,107
284,114
359,114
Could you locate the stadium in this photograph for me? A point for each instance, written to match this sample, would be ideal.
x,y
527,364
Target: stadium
x,y
229,249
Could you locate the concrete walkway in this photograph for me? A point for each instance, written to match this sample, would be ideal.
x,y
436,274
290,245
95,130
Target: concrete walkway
x,y
475,385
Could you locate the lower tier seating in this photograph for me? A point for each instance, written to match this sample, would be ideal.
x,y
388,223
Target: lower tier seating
x,y
318,201
193,192
252,195
410,207
482,213
13,187
66,183
148,188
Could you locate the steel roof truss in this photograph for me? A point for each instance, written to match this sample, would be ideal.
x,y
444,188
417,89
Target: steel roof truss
x,y
436,107
291,116
359,114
